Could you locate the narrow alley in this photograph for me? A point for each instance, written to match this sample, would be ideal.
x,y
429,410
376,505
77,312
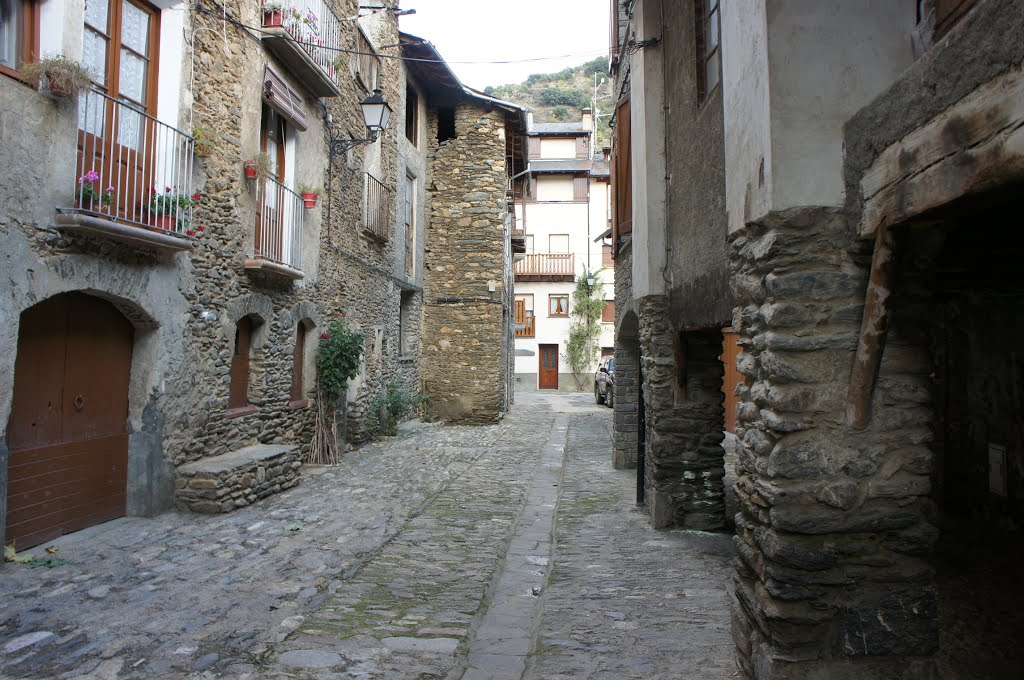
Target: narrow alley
x,y
426,555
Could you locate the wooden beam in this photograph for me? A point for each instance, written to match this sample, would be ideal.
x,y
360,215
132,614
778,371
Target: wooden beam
x,y
875,325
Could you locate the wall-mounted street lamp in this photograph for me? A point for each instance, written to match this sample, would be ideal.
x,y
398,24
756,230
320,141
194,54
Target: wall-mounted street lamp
x,y
376,116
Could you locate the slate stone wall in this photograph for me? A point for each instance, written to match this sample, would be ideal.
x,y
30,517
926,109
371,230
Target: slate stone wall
x,y
465,325
627,365
834,529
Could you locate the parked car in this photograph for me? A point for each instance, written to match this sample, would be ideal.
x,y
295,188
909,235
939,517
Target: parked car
x,y
604,381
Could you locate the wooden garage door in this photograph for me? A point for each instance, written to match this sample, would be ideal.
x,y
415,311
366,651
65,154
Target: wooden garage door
x,y
67,432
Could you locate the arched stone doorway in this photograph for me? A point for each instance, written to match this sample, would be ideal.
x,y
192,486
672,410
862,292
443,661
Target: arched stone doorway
x,y
627,392
67,433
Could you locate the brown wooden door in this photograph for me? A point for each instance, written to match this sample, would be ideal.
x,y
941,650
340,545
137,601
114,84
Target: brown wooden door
x,y
548,379
731,378
67,431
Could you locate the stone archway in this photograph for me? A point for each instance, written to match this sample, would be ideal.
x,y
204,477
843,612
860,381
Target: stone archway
x,y
627,392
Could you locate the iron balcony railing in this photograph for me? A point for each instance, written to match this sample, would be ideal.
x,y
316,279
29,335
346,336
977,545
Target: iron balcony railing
x,y
131,168
379,199
279,225
314,27
546,265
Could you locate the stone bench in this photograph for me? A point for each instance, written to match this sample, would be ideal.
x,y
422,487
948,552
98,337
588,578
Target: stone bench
x,y
236,479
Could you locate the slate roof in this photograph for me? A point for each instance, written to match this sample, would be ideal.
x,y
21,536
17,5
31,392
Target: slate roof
x,y
557,129
570,165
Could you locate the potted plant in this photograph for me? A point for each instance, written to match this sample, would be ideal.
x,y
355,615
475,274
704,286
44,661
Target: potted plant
x,y
63,77
258,167
204,140
273,13
89,195
170,208
309,195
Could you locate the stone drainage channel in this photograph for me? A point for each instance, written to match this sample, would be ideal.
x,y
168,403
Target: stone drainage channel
x,y
462,638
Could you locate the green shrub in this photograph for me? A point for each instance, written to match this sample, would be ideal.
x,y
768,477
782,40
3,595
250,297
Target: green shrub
x,y
389,409
337,357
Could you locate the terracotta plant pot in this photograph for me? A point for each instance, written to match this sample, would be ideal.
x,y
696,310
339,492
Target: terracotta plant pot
x,y
164,222
272,18
250,170
308,200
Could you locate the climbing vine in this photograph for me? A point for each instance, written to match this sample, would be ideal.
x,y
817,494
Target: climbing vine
x,y
582,348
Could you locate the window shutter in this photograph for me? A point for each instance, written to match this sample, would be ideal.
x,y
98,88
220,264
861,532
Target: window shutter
x,y
579,188
534,147
283,99
520,316
622,175
582,148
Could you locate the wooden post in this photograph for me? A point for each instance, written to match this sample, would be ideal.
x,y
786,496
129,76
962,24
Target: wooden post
x,y
875,325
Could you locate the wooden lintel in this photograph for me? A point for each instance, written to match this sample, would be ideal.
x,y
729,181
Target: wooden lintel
x,y
874,326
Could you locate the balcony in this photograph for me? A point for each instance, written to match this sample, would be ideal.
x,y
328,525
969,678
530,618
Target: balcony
x,y
546,267
133,177
307,41
379,199
278,247
529,327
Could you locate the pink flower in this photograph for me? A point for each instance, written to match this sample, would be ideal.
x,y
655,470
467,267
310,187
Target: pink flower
x,y
110,188
323,336
344,314
167,190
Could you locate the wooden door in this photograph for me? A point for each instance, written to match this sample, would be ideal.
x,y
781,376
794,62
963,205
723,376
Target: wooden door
x,y
67,431
731,378
548,379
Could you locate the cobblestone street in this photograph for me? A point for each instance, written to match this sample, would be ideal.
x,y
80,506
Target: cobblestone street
x,y
425,556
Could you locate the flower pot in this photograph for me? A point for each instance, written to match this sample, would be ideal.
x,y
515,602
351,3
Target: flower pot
x,y
308,200
272,18
250,170
164,222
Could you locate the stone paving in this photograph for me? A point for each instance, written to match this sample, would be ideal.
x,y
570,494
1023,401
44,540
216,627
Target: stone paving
x,y
431,555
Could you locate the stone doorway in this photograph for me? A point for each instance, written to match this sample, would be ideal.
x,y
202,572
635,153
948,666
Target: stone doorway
x,y
958,322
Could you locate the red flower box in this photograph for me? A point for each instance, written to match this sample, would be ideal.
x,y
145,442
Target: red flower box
x,y
308,199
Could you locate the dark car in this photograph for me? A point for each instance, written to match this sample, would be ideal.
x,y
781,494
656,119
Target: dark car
x,y
604,381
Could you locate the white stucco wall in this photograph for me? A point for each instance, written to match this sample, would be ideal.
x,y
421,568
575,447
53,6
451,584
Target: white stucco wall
x,y
557,147
647,118
794,71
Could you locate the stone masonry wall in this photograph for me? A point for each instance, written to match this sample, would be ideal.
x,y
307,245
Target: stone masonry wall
x,y
833,528
463,368
684,462
627,366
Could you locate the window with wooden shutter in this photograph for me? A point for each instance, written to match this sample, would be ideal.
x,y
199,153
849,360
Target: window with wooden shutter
x,y
622,175
579,188
238,388
284,99
608,312
534,147
606,256
583,148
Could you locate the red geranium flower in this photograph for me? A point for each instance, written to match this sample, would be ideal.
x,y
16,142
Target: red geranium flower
x,y
323,336
190,233
196,196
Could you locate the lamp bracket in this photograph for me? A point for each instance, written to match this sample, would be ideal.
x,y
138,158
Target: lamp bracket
x,y
340,145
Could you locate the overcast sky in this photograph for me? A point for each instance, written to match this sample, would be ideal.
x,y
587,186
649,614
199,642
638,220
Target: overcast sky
x,y
509,30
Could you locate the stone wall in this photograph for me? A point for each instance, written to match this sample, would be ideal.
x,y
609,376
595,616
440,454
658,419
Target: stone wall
x,y
465,325
627,365
235,480
834,523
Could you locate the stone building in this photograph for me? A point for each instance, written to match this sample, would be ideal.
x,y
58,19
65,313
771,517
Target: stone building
x,y
854,166
562,206
164,308
474,145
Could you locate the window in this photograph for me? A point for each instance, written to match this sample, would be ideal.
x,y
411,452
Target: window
x,y
412,115
606,256
524,316
622,175
405,323
365,62
298,391
445,123
580,188
238,389
533,149
119,48
608,312
709,56
529,243
607,352
378,208
410,226
558,244
558,305
18,33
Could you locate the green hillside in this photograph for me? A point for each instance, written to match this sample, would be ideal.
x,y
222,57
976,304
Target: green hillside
x,y
558,97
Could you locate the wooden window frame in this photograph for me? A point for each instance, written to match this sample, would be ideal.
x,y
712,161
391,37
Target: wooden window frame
x,y
554,296
29,33
241,368
608,306
622,175
112,86
580,188
702,19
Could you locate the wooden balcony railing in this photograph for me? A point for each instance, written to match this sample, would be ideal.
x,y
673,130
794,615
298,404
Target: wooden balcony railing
x,y
546,265
529,327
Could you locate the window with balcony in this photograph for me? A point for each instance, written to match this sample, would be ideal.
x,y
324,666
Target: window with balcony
x,y
277,248
558,305
379,199
132,170
306,36
19,34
